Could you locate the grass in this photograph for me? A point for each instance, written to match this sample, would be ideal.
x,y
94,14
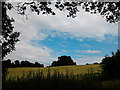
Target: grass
x,y
81,76
76,69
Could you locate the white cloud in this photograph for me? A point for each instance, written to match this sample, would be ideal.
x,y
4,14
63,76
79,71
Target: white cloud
x,y
80,39
64,51
88,51
84,25
25,48
86,45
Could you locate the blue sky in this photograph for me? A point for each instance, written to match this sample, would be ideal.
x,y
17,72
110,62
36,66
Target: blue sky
x,y
78,47
86,38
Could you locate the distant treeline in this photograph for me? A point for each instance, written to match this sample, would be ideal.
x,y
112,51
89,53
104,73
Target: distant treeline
x,y
95,63
17,63
62,61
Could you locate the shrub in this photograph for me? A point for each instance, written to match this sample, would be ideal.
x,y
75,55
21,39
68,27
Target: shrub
x,y
111,65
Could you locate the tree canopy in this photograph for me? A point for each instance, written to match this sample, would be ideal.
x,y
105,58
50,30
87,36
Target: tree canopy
x,y
109,10
9,37
63,61
18,63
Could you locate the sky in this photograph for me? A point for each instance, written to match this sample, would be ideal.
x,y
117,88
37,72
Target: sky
x,y
86,38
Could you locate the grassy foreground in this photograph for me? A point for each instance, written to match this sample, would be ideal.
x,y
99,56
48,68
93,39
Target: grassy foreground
x,y
81,76
75,69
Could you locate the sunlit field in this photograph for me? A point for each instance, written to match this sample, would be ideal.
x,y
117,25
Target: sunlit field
x,y
76,69
79,76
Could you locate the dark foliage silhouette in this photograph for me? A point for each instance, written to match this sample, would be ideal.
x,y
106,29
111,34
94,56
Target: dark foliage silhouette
x,y
17,63
63,60
87,64
111,65
95,63
109,10
38,65
5,65
9,38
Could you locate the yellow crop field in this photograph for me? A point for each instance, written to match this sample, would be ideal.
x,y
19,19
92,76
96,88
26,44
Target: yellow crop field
x,y
75,69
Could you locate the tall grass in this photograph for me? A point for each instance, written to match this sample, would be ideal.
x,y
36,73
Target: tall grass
x,y
78,69
58,79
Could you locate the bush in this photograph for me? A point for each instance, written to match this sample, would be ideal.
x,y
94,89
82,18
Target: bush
x,y
111,65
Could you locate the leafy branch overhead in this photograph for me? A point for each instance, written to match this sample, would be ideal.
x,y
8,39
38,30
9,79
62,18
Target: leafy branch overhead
x,y
9,37
109,10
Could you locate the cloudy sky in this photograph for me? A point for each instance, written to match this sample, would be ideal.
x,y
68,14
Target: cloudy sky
x,y
86,38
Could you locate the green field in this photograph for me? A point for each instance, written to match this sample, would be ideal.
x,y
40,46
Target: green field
x,y
76,69
79,76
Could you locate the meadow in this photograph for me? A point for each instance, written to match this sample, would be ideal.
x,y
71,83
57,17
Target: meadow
x,y
74,69
79,76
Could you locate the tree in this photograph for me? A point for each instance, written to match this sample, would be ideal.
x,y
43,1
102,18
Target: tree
x,y
95,63
17,63
8,62
22,63
54,63
9,38
63,60
87,64
12,65
111,65
29,64
109,10
38,64
5,65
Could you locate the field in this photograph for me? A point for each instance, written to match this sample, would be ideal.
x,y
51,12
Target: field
x,y
77,69
80,76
